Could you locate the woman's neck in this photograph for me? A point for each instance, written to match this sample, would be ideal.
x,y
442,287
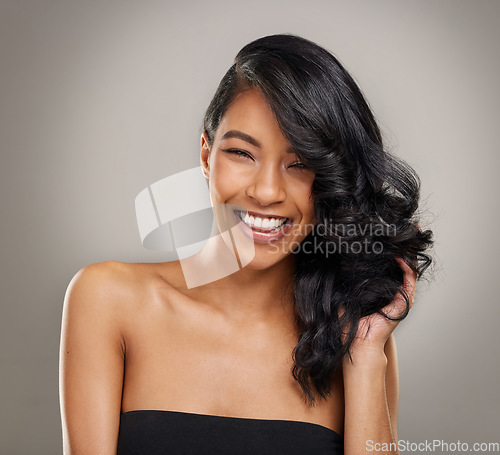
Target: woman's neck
x,y
246,292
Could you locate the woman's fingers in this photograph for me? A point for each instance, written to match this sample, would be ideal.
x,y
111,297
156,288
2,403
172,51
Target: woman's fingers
x,y
397,307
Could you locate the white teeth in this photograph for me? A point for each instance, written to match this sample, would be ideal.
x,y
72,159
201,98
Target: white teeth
x,y
264,223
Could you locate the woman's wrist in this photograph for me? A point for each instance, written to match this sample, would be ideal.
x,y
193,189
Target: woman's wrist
x,y
369,358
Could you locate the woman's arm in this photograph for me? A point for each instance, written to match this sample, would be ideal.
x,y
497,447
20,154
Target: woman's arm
x,y
392,383
371,401
371,384
91,363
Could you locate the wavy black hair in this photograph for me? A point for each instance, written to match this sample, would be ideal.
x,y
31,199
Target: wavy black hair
x,y
365,198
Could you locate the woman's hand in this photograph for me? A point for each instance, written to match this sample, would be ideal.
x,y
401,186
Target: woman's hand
x,y
374,330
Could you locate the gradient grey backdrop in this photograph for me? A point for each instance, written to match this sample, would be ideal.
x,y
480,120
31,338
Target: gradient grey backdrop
x,y
100,98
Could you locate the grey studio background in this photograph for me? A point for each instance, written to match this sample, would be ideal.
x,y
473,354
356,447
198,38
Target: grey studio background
x,y
99,99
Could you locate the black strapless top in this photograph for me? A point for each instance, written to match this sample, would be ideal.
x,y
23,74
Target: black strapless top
x,y
175,433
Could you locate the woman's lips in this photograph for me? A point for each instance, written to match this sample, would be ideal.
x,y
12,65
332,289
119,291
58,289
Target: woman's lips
x,y
271,229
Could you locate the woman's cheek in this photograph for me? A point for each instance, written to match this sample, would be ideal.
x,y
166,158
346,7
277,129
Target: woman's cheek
x,y
224,181
232,174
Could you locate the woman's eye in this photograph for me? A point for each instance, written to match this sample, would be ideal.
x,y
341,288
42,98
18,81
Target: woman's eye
x,y
297,164
237,152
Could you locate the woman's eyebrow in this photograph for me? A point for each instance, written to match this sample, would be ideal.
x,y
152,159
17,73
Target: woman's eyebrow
x,y
247,138
243,136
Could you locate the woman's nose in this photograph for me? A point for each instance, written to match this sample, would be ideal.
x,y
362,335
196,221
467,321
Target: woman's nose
x,y
267,186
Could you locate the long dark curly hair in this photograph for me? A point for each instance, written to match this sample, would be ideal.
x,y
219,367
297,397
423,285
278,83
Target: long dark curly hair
x,y
365,198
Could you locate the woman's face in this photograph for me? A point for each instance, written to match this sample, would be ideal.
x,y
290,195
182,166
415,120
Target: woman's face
x,y
251,164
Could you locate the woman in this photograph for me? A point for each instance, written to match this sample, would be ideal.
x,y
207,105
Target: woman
x,y
293,353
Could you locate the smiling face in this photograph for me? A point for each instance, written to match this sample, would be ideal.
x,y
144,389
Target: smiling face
x,y
251,164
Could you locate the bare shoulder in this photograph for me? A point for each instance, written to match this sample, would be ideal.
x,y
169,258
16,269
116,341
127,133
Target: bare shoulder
x,y
100,284
110,273
119,286
114,280
105,288
117,298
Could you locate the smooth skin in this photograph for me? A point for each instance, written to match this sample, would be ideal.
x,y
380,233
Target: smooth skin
x,y
135,337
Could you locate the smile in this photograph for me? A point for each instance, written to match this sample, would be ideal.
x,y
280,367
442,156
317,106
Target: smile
x,y
262,228
261,223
